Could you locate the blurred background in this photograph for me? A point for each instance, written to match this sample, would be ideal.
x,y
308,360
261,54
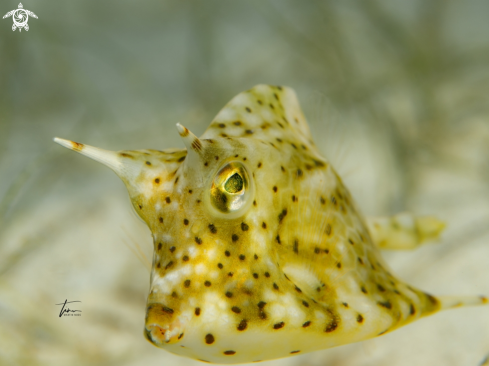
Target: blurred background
x,y
397,96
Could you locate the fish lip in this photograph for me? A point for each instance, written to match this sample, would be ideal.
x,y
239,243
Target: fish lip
x,y
161,325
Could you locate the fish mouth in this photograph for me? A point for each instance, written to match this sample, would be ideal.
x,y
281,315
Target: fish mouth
x,y
161,326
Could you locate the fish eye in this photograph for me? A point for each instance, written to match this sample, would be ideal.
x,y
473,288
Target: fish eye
x,y
234,184
231,191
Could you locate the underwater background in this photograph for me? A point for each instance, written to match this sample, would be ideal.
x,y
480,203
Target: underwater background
x,y
397,96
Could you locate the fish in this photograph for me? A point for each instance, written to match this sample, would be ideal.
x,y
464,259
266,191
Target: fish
x,y
260,251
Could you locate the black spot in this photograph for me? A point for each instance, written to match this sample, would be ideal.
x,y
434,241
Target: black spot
x,y
187,283
242,325
275,286
185,258
254,203
248,109
306,324
331,326
299,173
278,325
278,239
333,199
180,336
249,132
157,180
381,288
305,303
317,250
360,318
234,238
216,157
275,188
345,305
267,275
148,163
293,145
264,225
412,310
322,200
198,240
185,221
230,274
364,290
209,339
236,310
386,304
261,304
140,206
212,228
293,198
328,229
207,283
220,265
176,180
170,263
255,275
298,289
167,199
221,125
161,220
360,260
229,294
174,294
255,256
282,215
190,191
296,246
206,163
159,246
229,353
259,164
181,159
172,249
338,265
244,226
294,352
197,311
226,253
237,123
158,265
242,257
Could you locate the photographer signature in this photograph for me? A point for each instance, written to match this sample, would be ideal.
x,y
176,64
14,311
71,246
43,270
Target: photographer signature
x,y
67,310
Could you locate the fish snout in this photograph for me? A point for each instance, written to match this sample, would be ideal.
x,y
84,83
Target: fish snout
x,y
161,326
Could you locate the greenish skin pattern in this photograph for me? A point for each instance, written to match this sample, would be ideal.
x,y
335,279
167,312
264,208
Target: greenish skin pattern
x,y
295,273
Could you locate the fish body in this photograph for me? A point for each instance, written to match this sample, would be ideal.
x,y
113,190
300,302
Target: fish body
x,y
259,249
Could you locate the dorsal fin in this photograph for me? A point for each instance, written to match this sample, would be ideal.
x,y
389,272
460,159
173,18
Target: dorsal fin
x,y
265,112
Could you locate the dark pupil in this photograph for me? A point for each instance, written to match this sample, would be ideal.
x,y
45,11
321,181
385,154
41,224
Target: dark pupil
x,y
234,183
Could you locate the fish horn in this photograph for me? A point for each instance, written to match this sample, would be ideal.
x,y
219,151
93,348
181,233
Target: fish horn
x,y
106,157
128,169
192,142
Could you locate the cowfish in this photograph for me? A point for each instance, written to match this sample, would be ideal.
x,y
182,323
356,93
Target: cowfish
x,y
260,251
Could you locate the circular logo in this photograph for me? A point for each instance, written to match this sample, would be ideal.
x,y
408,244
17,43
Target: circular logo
x,y
20,18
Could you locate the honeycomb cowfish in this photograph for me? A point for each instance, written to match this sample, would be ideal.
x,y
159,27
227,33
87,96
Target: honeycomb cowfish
x,y
259,249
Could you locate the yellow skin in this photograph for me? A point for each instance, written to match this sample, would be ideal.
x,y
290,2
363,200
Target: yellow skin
x,y
259,249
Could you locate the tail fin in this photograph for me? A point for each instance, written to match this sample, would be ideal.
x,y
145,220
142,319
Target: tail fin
x,y
450,302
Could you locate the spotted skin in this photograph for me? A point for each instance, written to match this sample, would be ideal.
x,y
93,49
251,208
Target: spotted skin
x,y
282,263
